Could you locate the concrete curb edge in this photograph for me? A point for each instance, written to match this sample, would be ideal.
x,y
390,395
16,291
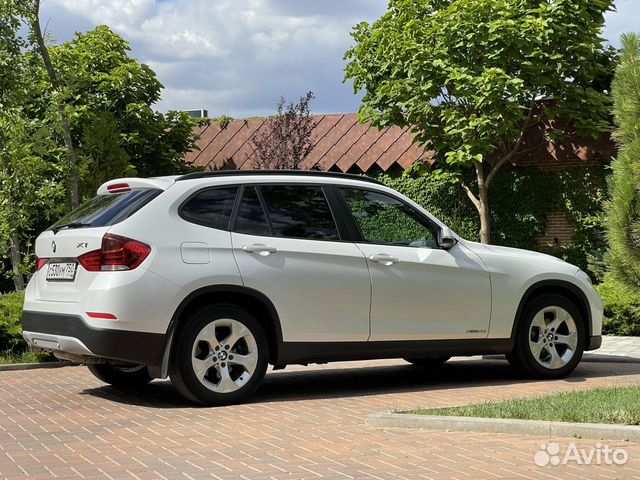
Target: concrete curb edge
x,y
506,425
12,367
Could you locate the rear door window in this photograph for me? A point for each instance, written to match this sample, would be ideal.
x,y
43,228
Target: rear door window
x,y
106,210
299,211
210,207
251,219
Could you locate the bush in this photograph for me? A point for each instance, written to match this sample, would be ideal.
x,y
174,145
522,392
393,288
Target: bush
x,y
11,323
621,308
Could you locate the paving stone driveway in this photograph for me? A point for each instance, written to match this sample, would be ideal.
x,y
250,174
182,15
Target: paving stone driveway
x,y
303,423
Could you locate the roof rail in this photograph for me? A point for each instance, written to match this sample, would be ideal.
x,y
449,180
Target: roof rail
x,y
307,173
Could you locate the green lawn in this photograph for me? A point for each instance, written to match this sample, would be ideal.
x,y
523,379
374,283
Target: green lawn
x,y
25,357
601,405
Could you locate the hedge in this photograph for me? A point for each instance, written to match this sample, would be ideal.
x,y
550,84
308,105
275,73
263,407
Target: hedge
x,y
11,323
621,308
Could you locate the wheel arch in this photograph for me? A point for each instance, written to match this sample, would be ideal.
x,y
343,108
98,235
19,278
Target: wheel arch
x,y
254,301
559,287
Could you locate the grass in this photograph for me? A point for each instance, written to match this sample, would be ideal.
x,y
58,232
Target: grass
x,y
8,357
618,405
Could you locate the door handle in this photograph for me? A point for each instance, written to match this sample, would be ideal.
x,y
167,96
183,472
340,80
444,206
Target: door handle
x,y
260,249
384,259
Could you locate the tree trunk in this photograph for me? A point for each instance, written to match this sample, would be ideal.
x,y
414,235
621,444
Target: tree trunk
x,y
66,126
483,205
16,262
485,217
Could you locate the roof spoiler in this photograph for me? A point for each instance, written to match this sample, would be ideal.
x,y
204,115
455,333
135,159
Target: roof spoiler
x,y
120,185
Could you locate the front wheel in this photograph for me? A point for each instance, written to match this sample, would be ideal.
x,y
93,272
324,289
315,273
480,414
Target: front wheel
x,y
220,356
120,375
550,339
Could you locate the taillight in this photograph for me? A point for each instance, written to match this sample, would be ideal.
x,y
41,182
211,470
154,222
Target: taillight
x,y
118,188
117,253
41,262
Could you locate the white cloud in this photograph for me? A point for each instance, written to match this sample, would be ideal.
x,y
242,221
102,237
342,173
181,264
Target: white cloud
x,y
237,57
625,19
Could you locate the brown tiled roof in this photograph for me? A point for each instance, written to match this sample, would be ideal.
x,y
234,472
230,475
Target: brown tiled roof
x,y
343,144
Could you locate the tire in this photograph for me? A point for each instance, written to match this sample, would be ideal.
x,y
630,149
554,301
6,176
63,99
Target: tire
x,y
204,365
539,351
428,361
126,376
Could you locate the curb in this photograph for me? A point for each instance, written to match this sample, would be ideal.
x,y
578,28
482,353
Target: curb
x,y
587,357
506,425
11,367
602,358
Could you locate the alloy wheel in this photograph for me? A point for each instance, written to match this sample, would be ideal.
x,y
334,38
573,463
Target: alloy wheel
x,y
553,337
224,355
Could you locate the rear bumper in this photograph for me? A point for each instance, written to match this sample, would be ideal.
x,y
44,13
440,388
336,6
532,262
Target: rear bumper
x,y
70,333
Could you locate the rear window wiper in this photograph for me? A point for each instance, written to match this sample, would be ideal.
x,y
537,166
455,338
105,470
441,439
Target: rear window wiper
x,y
70,225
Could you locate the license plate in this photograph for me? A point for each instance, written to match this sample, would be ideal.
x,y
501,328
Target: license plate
x,y
64,271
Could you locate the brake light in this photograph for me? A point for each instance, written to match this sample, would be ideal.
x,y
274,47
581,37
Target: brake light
x,y
41,262
118,188
117,253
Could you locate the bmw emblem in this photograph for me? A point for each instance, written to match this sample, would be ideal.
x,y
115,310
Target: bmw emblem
x,y
53,246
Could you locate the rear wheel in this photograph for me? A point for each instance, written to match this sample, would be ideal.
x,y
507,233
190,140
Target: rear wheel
x,y
428,361
120,375
551,338
220,356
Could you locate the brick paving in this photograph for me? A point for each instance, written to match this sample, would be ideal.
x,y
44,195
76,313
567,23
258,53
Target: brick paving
x,y
303,423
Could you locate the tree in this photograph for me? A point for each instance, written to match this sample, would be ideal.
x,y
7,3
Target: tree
x,y
107,99
112,120
470,77
31,12
623,219
286,138
29,192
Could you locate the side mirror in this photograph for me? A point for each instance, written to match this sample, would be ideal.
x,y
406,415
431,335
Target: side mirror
x,y
446,239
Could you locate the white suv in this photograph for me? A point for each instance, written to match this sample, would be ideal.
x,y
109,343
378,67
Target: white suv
x,y
208,277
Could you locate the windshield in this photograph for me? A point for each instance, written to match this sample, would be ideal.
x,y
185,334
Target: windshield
x,y
106,210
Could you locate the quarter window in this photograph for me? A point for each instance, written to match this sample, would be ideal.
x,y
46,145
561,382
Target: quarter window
x,y
211,207
385,220
299,211
251,217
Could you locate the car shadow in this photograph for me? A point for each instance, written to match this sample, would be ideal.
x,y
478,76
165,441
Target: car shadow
x,y
361,381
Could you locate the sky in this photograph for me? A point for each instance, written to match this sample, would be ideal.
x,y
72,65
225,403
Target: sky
x,y
238,57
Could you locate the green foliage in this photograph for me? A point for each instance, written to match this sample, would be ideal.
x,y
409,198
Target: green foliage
x,y
10,357
441,198
30,190
582,193
104,155
109,97
11,322
623,211
224,121
469,77
464,74
522,198
621,307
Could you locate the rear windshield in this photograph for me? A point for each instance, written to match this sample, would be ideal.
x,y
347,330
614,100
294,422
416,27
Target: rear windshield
x,y
106,210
